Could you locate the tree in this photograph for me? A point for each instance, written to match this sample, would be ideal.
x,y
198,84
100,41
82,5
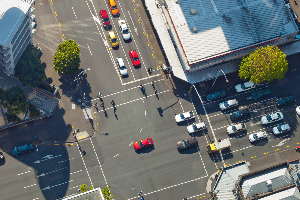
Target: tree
x,y
83,188
29,68
107,194
66,60
265,64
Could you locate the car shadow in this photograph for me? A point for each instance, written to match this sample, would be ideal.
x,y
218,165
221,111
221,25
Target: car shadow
x,y
238,134
128,41
191,150
145,150
261,142
186,123
116,48
199,133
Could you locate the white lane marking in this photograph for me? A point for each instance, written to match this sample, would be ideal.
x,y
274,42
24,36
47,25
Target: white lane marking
x,y
180,103
89,49
49,187
84,164
212,130
282,142
141,130
130,144
74,12
202,160
74,187
172,186
30,186
23,173
145,110
116,155
65,160
99,162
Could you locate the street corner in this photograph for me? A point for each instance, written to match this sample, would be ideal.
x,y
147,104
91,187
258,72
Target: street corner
x,y
212,181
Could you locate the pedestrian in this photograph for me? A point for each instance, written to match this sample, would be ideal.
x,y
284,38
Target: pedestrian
x,y
155,91
102,104
96,105
112,102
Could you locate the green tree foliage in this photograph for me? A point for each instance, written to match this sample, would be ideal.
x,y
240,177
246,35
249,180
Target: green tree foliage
x,y
66,60
83,188
34,112
29,68
107,194
265,64
14,100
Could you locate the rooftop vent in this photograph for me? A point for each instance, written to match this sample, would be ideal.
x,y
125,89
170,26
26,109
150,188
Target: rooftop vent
x,y
195,29
269,182
193,11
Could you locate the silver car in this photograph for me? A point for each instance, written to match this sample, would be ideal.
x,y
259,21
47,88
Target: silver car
x,y
184,116
236,128
196,127
281,129
228,104
257,136
121,66
244,86
124,30
272,118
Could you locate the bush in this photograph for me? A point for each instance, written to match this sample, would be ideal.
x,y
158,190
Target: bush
x,y
34,112
12,117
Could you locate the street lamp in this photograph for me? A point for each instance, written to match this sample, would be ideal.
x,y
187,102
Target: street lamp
x,y
77,78
218,76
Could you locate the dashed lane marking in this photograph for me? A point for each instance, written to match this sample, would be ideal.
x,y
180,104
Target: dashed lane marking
x,y
23,173
49,187
65,160
30,186
84,164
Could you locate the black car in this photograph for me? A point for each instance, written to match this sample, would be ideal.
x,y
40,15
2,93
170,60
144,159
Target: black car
x,y
239,114
216,95
285,100
2,158
260,93
188,143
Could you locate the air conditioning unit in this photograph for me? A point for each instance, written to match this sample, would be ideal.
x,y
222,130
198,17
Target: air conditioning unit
x,y
195,29
193,11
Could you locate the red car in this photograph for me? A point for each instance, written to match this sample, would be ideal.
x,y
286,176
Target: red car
x,y
143,143
134,58
105,19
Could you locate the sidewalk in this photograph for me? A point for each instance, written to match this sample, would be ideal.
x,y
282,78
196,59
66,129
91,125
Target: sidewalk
x,y
163,24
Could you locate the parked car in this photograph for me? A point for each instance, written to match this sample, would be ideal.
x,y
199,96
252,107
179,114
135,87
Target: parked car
x,y
285,100
112,39
105,19
2,158
244,86
260,93
239,114
216,95
134,58
143,144
298,110
188,143
272,118
184,116
196,127
22,149
121,66
236,128
281,129
257,136
124,29
228,104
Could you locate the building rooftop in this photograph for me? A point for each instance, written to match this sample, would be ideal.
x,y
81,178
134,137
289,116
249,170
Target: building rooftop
x,y
12,13
94,194
289,194
266,181
227,25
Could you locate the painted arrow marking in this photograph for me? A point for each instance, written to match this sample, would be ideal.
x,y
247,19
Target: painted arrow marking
x,y
282,142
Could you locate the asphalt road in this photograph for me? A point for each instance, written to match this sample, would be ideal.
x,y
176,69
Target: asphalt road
x,y
55,171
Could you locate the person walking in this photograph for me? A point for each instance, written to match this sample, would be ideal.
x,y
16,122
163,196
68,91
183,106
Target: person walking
x,y
102,104
112,102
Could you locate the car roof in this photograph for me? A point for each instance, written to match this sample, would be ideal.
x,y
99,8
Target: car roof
x,y
120,61
103,12
134,53
112,34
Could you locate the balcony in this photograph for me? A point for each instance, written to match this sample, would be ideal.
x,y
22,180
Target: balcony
x,y
21,41
21,51
20,31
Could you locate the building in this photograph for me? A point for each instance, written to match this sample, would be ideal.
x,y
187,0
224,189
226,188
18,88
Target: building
x,y
94,194
208,32
17,29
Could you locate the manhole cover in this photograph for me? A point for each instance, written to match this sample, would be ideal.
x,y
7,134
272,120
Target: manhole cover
x,y
132,187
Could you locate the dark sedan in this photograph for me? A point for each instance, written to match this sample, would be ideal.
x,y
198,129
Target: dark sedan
x,y
188,143
285,100
239,114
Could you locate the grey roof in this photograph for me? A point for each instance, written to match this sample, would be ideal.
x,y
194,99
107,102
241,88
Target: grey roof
x,y
12,13
289,194
224,26
227,180
257,184
94,194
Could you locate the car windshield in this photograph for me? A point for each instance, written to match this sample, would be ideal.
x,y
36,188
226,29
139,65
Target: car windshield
x,y
195,127
226,104
181,116
135,58
279,128
140,144
122,67
279,116
184,143
125,31
149,141
255,136
243,86
114,7
114,40
105,19
233,128
269,118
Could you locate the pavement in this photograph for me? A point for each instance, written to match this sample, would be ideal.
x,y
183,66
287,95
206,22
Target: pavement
x,y
163,25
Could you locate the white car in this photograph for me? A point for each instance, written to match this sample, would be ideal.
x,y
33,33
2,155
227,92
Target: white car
x,y
244,86
122,68
228,104
236,128
124,29
184,116
272,118
196,127
298,110
257,136
281,129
